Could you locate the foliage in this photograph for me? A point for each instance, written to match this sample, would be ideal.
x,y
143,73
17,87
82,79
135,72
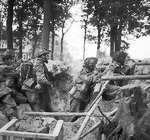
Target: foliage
x,y
64,20
64,13
132,14
32,17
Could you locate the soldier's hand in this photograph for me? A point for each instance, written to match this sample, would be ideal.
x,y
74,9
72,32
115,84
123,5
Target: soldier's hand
x,y
97,78
52,86
38,86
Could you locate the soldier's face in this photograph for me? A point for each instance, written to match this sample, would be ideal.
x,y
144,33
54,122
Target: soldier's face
x,y
45,57
91,66
9,61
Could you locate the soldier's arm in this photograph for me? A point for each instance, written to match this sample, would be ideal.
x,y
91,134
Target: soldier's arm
x,y
111,69
40,74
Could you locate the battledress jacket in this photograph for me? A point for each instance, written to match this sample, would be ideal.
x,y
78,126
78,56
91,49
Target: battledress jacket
x,y
112,89
7,77
43,80
83,82
115,69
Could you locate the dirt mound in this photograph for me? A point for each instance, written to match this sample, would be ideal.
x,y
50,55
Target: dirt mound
x,y
37,124
61,78
104,61
59,95
57,67
143,69
21,109
3,120
70,129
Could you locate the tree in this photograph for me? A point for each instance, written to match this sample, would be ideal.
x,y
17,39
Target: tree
x,y
9,24
55,10
0,20
46,24
20,28
97,13
3,17
85,34
121,16
65,16
31,21
85,22
33,25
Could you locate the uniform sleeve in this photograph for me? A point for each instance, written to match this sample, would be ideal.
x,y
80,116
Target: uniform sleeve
x,y
111,69
40,74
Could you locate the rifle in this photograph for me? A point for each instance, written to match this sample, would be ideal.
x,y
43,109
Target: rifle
x,y
89,113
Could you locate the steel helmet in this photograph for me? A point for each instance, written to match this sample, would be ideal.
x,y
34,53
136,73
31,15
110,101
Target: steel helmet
x,y
8,54
120,57
92,60
41,51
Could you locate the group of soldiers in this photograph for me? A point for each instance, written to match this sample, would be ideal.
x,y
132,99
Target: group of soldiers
x,y
24,82
90,76
29,82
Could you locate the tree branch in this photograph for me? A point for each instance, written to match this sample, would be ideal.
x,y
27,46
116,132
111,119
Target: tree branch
x,y
69,26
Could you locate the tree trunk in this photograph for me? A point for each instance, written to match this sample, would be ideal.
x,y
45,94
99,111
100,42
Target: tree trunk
x,y
0,26
34,45
85,35
46,24
85,29
53,39
20,29
112,40
9,24
62,38
119,33
35,37
62,47
99,36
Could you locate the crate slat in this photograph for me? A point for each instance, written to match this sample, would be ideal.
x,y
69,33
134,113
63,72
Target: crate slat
x,y
56,135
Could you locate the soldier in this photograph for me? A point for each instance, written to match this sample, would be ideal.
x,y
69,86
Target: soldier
x,y
43,81
8,77
83,84
117,67
28,80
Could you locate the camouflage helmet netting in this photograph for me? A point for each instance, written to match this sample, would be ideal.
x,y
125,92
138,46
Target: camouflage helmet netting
x,y
41,51
90,59
8,54
119,57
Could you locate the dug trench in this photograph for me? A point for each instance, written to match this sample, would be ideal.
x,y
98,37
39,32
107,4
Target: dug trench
x,y
131,121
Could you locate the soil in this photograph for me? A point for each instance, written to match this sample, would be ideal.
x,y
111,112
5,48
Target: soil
x,y
60,103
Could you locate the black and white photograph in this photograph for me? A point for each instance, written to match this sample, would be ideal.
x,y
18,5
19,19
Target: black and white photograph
x,y
75,69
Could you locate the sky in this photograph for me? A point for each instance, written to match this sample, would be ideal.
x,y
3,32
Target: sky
x,y
139,48
75,38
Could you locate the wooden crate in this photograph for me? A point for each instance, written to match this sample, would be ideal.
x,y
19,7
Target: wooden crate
x,y
7,132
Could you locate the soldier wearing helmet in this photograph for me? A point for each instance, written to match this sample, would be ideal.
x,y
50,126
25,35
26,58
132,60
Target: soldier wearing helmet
x,y
43,79
8,57
43,54
8,76
117,67
83,83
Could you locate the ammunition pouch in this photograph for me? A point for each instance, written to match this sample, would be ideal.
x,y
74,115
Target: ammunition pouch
x,y
20,98
12,74
5,90
29,83
10,81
